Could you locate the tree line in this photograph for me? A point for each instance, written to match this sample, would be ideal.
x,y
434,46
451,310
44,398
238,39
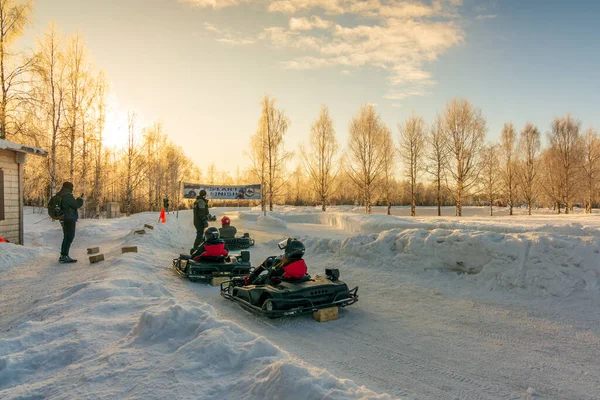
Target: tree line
x,y
447,161
53,98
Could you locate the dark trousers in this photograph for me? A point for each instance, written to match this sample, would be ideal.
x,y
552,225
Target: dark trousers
x,y
68,236
199,235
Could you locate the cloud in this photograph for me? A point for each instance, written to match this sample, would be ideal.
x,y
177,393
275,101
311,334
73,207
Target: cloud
x,y
227,36
486,16
397,37
345,72
305,24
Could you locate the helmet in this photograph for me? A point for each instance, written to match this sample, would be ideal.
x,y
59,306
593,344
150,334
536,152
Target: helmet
x,y
294,249
211,233
202,193
225,221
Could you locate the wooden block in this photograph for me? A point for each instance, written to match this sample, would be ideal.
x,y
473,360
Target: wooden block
x,y
218,281
140,232
96,258
129,249
148,226
93,250
326,314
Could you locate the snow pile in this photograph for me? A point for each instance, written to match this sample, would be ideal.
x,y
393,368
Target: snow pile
x,y
269,221
12,255
128,335
538,264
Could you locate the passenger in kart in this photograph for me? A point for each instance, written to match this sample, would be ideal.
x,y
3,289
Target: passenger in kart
x,y
213,246
289,265
227,231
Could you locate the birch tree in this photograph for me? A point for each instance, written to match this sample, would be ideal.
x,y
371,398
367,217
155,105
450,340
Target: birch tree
x,y
490,174
464,131
366,152
508,142
437,156
565,139
389,163
412,149
591,166
320,158
14,16
527,169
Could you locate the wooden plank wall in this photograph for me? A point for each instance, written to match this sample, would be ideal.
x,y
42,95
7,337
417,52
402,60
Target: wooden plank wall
x,y
9,227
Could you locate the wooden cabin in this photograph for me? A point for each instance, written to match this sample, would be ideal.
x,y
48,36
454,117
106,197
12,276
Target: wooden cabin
x,y
12,160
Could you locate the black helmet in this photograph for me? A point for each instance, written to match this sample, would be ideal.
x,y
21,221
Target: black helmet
x,y
202,193
211,233
294,249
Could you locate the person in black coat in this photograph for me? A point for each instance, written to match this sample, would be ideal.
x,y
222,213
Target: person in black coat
x,y
69,205
200,217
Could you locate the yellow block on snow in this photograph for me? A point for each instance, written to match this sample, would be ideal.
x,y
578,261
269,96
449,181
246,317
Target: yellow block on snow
x,y
96,258
93,250
217,281
326,314
129,249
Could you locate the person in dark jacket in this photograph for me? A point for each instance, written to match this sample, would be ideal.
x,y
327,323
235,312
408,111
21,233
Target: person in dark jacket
x,y
213,245
200,217
69,205
227,231
166,204
289,265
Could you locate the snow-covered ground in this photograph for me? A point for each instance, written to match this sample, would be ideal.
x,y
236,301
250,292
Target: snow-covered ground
x,y
470,308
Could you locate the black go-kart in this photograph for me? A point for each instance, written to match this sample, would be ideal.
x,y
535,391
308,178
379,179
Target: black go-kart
x,y
232,265
239,243
288,297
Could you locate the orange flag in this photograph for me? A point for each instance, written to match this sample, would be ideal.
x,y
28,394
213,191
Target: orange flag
x,y
163,217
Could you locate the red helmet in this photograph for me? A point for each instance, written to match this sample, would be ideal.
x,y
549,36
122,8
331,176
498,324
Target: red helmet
x,y
225,221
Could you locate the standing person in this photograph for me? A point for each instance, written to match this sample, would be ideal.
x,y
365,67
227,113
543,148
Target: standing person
x,y
166,204
69,206
200,217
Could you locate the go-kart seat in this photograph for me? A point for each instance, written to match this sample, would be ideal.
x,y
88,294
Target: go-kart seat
x,y
185,257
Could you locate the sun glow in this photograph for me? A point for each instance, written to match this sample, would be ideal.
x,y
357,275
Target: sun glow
x,y
115,127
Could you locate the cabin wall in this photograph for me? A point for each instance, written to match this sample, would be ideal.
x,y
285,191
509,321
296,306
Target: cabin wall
x,y
10,226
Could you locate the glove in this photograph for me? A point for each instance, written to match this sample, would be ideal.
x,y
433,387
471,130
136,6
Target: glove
x,y
246,280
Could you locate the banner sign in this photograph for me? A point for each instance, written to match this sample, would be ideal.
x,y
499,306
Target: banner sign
x,y
222,192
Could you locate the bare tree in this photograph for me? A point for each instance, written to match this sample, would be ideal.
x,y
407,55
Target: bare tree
x,y
464,131
437,156
134,163
50,93
14,16
366,152
591,165
211,173
267,149
551,181
565,140
527,169
508,142
412,148
389,162
490,174
259,165
100,111
319,159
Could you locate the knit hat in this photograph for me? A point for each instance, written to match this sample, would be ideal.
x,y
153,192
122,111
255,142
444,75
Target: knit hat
x,y
67,185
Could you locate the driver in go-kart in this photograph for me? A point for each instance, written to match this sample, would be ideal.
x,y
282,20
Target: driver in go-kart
x,y
289,265
213,245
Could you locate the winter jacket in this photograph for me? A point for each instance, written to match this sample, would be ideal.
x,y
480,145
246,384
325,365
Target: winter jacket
x,y
211,249
289,269
201,213
69,204
228,232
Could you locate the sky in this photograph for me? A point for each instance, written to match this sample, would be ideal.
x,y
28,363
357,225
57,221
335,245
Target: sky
x,y
201,67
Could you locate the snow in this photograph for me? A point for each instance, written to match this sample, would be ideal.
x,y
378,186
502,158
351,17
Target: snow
x,y
476,307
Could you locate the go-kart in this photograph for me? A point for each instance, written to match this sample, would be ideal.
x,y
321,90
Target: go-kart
x,y
239,243
213,267
287,297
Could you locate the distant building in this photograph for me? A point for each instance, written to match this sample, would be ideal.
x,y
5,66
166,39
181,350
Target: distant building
x,y
12,159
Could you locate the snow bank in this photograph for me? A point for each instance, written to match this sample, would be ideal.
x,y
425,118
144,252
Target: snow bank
x,y
128,336
533,263
271,222
12,255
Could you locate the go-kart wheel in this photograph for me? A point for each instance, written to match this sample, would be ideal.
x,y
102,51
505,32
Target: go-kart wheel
x,y
268,304
230,289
